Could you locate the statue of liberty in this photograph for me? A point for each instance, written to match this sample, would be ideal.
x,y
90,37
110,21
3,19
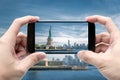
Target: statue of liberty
x,y
49,39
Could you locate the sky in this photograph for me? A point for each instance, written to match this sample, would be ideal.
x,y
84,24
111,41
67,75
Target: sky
x,y
57,10
61,33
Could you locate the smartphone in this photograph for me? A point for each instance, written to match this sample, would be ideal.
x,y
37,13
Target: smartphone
x,y
60,40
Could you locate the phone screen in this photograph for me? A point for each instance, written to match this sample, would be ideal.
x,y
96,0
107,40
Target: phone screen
x,y
61,38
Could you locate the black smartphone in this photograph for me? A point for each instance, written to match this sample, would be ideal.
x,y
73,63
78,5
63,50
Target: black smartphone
x,y
60,40
61,37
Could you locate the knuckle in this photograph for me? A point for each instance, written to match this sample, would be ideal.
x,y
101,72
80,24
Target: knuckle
x,y
17,20
103,33
21,34
28,16
108,19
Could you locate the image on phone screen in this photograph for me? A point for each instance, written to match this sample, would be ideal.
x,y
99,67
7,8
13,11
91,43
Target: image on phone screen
x,y
61,38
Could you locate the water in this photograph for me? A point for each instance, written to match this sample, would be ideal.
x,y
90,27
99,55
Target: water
x,y
65,51
91,74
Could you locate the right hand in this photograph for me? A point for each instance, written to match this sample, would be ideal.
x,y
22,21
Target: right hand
x,y
107,55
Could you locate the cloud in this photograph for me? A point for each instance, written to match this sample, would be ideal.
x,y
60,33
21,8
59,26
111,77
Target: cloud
x,y
72,17
62,10
116,19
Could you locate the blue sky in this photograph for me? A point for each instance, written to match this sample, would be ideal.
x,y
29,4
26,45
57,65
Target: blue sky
x,y
62,32
57,9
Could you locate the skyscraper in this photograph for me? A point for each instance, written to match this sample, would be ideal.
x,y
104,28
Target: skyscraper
x,y
69,44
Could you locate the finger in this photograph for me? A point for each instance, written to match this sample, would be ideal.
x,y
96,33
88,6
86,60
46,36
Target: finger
x,y
101,48
21,43
110,26
32,59
103,37
21,39
90,57
21,52
10,35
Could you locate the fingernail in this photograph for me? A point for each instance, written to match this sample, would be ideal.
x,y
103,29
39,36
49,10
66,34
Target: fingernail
x,y
37,17
80,54
42,55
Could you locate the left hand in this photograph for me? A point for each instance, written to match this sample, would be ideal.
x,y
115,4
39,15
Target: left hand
x,y
14,58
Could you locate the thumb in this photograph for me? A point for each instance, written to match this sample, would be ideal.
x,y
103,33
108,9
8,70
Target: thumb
x,y
32,59
90,57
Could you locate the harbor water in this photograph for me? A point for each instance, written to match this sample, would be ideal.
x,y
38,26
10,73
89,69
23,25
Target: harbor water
x,y
91,74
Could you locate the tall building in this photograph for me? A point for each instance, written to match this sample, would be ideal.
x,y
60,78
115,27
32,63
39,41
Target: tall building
x,y
49,40
69,44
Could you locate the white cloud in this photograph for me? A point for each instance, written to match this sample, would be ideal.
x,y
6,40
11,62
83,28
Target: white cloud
x,y
115,17
72,17
64,35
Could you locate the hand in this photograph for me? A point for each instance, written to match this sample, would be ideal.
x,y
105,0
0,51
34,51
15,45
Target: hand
x,y
107,55
14,61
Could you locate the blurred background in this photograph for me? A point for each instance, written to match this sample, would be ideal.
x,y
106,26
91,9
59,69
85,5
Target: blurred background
x,y
59,10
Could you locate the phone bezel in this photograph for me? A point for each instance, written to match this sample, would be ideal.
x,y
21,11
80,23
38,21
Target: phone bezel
x,y
31,33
